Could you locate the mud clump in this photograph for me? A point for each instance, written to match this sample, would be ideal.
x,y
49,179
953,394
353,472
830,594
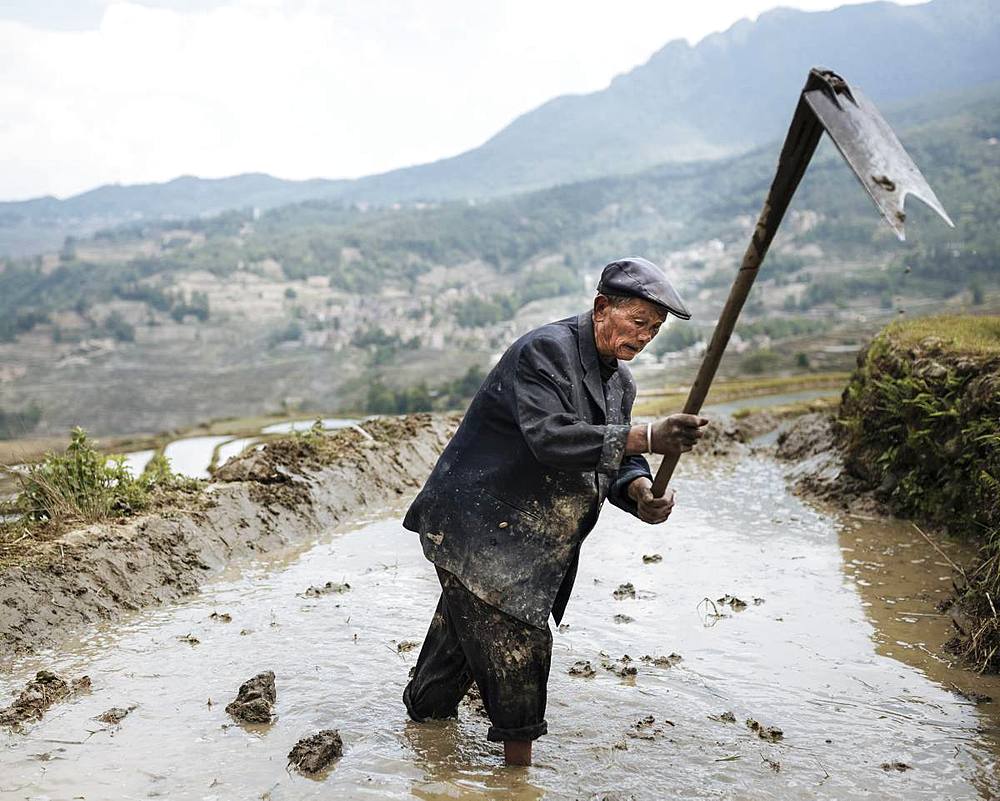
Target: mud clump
x,y
582,668
315,753
662,661
771,734
626,590
115,715
646,728
732,602
330,588
623,619
38,695
651,558
473,701
900,767
255,699
406,646
221,617
623,667
725,717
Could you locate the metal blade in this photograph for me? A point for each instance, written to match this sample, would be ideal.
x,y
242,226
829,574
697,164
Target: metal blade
x,y
873,152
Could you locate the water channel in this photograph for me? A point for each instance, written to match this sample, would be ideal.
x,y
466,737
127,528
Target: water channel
x,y
840,652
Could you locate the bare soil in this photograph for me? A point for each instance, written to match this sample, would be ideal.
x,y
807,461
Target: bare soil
x,y
271,499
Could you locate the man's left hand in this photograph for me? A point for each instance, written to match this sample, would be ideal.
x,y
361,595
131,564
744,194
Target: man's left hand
x,y
651,509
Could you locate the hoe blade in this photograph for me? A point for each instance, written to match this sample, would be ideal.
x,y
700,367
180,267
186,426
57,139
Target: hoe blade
x,y
873,152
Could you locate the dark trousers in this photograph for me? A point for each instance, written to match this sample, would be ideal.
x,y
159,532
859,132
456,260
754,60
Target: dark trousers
x,y
469,640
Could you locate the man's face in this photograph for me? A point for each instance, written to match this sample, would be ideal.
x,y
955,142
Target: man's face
x,y
623,330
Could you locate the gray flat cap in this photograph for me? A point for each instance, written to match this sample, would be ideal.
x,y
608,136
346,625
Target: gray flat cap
x,y
638,278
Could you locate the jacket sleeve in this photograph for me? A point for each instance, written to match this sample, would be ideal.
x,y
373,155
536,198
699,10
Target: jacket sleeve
x,y
632,466
550,424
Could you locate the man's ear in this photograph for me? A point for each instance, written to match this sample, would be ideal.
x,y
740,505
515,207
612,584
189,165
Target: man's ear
x,y
601,307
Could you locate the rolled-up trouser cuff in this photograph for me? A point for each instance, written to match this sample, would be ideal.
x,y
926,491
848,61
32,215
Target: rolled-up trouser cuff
x,y
613,449
497,735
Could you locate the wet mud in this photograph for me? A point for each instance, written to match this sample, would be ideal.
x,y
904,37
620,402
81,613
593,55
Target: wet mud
x,y
38,695
270,500
254,703
314,754
807,695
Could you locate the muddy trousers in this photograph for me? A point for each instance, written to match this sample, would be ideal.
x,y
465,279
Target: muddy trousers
x,y
469,640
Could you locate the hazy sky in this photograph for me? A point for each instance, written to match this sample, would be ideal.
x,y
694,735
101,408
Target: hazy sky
x,y
105,91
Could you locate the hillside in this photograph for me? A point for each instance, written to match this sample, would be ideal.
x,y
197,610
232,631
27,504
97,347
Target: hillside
x,y
327,307
726,95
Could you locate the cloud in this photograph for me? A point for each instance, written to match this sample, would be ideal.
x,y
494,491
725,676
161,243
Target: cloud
x,y
302,88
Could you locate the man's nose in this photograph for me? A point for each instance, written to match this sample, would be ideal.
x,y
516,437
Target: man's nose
x,y
645,336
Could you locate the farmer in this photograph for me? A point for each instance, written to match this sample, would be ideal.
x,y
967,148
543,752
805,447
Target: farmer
x,y
503,514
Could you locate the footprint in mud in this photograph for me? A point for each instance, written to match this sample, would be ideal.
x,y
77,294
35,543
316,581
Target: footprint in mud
x,y
406,646
651,558
582,668
38,695
626,590
725,717
901,767
623,619
221,617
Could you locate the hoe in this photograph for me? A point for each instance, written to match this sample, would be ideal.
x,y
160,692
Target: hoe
x,y
878,161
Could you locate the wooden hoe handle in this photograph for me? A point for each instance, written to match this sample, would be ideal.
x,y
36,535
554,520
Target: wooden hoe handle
x,y
800,144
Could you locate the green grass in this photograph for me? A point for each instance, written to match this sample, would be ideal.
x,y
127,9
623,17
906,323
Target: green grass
x,y
959,334
921,425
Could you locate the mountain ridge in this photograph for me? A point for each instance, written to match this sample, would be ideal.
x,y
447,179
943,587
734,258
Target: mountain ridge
x,y
727,94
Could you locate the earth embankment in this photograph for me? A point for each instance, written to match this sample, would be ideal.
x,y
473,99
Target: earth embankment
x,y
918,434
285,493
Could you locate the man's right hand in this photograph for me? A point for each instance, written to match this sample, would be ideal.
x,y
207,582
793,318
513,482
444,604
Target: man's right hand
x,y
677,433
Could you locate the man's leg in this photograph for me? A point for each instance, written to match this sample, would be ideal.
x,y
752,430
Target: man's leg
x,y
441,677
517,752
509,660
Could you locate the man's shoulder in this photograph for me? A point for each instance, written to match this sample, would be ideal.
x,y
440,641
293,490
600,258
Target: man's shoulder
x,y
559,334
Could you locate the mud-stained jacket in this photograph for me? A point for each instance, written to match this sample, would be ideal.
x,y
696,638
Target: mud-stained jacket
x,y
521,483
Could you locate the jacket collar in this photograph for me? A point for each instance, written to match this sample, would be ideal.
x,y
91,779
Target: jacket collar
x,y
590,359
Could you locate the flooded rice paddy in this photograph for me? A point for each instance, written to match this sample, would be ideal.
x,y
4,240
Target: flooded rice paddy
x,y
193,456
836,647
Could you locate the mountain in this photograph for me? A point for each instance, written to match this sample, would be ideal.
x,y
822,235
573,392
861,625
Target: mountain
x,y
164,324
726,95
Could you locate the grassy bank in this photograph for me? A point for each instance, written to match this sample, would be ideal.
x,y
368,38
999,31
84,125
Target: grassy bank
x,y
921,423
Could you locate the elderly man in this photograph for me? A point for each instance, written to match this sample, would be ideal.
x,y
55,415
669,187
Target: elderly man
x,y
546,439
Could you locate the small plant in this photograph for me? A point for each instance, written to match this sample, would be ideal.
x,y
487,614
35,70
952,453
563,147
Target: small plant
x,y
83,485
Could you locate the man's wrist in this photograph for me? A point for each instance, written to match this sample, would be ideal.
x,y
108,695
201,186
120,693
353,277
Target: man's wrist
x,y
637,485
637,439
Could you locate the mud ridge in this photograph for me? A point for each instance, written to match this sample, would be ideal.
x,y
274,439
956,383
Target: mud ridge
x,y
270,499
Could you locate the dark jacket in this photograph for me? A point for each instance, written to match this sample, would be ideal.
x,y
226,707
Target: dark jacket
x,y
522,481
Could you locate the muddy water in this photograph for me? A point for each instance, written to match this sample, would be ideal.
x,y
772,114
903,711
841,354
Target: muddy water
x,y
824,657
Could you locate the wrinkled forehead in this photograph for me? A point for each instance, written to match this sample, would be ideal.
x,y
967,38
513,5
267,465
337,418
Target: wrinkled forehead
x,y
627,305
